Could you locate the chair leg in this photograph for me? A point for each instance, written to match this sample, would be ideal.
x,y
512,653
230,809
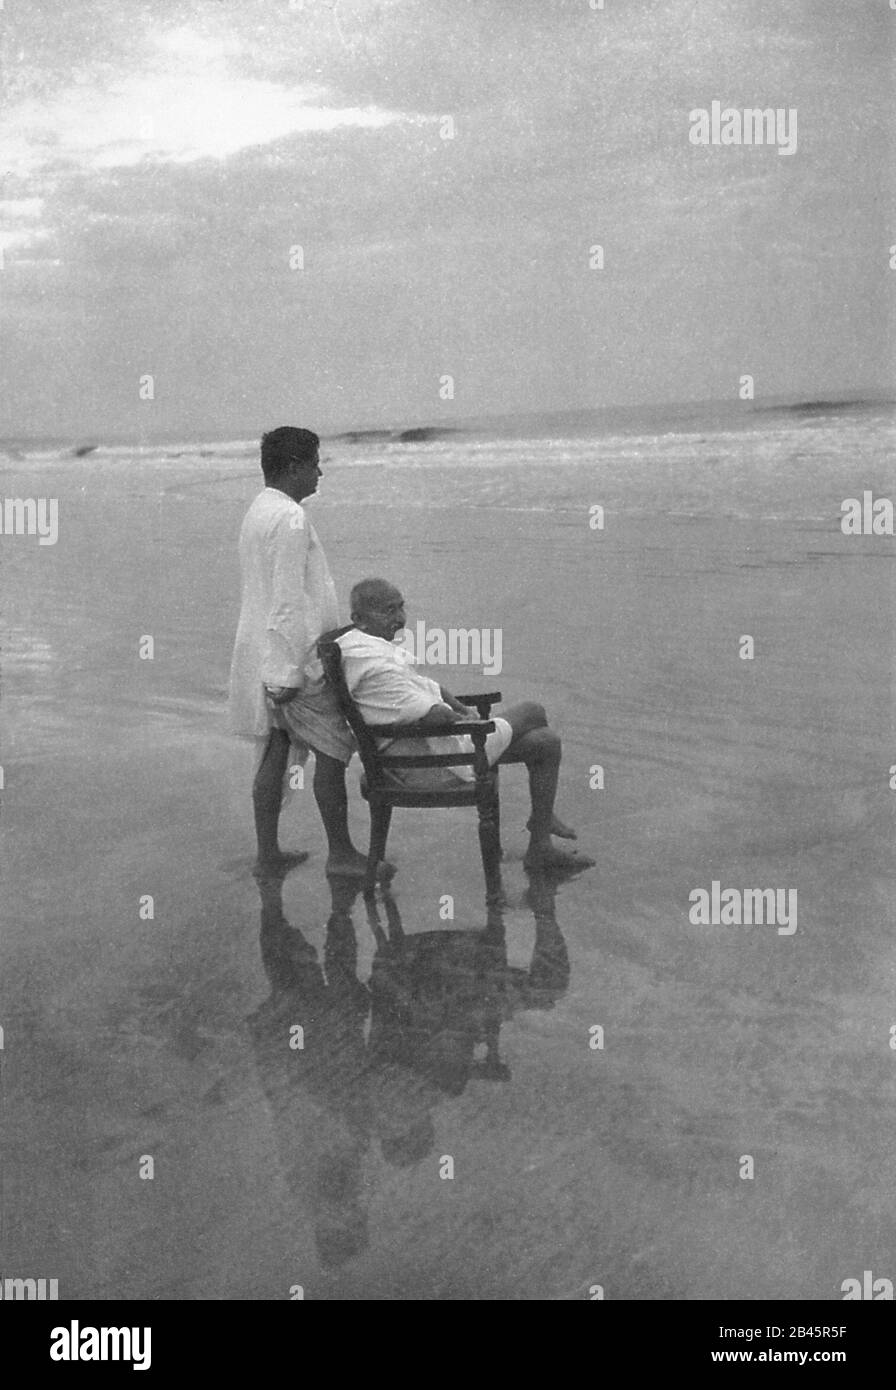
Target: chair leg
x,y
380,819
490,846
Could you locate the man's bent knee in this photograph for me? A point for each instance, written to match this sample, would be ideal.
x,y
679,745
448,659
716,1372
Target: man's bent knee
x,y
525,717
545,744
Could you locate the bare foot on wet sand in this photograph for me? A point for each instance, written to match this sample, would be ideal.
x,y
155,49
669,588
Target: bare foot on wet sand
x,y
355,866
548,859
280,864
558,828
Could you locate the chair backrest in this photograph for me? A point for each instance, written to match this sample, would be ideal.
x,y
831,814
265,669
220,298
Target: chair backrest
x,y
331,659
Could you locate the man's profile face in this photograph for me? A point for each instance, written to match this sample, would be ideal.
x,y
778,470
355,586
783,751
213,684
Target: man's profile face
x,y
305,474
384,615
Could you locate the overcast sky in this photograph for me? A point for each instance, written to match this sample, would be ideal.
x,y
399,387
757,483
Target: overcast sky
x,y
160,159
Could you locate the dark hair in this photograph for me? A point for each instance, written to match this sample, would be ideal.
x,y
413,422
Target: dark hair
x,y
281,446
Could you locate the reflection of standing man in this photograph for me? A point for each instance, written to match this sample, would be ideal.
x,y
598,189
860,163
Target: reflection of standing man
x,y
317,1092
288,600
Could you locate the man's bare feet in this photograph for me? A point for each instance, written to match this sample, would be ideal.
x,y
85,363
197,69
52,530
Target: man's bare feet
x,y
552,860
355,866
279,865
558,828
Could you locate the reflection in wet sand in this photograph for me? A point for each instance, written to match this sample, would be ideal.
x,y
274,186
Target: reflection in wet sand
x,y
346,1065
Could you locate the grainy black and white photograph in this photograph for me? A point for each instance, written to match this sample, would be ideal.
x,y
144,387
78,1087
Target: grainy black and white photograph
x,y
447,657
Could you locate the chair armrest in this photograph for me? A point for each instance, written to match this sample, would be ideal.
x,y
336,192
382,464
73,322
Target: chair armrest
x,y
463,726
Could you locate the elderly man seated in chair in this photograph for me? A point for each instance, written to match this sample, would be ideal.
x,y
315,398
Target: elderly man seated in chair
x,y
381,678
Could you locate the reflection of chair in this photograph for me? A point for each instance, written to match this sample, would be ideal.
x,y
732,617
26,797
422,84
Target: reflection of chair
x,y
381,786
437,996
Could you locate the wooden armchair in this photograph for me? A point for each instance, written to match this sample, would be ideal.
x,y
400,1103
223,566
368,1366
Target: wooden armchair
x,y
383,790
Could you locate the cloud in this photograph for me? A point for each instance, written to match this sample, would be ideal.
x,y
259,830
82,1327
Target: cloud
x,y
185,105
20,226
170,153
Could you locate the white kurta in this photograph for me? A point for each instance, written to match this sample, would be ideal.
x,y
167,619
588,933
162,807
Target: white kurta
x,y
288,600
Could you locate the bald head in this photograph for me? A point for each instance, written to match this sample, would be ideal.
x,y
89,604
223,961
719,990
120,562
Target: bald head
x,y
377,607
368,595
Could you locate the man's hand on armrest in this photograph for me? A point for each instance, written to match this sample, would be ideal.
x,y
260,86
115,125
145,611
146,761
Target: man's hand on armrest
x,y
440,716
462,711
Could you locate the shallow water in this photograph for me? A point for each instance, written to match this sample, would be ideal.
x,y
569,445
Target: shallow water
x,y
573,1166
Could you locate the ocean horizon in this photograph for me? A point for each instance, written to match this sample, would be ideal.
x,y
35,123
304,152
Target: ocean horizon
x,y
571,422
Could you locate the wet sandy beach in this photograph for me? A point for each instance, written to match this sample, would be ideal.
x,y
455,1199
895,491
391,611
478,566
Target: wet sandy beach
x,y
572,1166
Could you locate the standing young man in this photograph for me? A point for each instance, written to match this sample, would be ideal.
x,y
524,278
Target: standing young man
x,y
277,693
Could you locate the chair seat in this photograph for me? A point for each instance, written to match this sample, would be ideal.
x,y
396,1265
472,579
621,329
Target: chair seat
x,y
418,796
